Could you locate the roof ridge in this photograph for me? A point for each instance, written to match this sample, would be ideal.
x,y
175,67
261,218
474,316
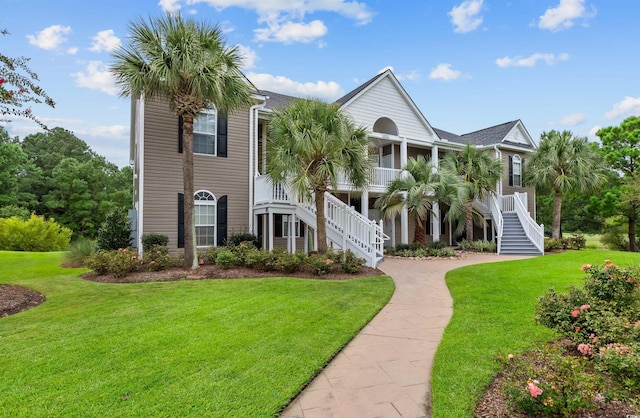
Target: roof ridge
x,y
491,127
344,99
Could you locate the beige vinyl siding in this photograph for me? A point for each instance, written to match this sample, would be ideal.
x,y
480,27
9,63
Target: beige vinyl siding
x,y
413,152
220,176
508,190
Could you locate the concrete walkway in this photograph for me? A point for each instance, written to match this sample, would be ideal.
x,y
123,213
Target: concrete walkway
x,y
385,370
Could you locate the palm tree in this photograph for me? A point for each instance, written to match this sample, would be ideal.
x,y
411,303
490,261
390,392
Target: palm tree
x,y
187,64
564,163
310,144
423,186
480,173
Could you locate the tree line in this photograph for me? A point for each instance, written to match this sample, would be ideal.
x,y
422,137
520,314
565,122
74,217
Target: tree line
x,y
56,175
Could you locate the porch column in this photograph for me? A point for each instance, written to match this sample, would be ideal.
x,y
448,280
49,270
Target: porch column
x,y
265,232
393,232
404,215
435,221
292,233
434,156
364,203
450,233
270,231
485,230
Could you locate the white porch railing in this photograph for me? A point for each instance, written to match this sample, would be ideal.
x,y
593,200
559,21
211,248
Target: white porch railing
x,y
380,177
508,203
534,232
498,222
351,230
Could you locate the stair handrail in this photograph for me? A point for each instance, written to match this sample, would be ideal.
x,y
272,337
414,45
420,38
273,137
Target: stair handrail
x,y
534,232
498,221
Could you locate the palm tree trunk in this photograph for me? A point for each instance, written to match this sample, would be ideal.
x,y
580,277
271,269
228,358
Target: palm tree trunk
x,y
420,234
321,224
190,254
557,215
632,233
468,215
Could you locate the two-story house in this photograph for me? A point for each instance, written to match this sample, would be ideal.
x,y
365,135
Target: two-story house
x,y
233,195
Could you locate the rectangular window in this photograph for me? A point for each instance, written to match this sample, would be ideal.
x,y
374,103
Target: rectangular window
x,y
517,171
204,132
285,227
205,225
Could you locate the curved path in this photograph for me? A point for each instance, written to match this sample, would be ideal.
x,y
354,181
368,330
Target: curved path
x,y
385,370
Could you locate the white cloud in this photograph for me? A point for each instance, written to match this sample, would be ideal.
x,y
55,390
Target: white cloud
x,y
412,75
96,77
72,51
531,61
105,41
111,131
321,89
51,37
444,72
571,120
564,14
249,56
592,133
289,32
466,17
627,107
285,20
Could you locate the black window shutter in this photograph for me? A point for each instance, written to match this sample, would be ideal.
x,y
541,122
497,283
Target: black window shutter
x,y
428,224
277,226
522,173
302,228
180,220
221,221
180,134
510,171
222,135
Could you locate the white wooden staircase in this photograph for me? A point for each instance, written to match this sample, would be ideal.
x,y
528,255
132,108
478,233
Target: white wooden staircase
x,y
347,229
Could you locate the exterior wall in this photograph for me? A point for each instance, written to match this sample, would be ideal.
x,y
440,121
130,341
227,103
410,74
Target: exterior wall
x,y
507,190
413,152
384,100
163,172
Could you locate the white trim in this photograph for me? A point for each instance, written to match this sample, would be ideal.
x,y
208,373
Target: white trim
x,y
139,134
513,170
253,165
215,216
210,111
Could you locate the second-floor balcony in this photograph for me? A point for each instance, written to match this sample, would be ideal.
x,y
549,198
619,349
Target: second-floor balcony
x,y
380,179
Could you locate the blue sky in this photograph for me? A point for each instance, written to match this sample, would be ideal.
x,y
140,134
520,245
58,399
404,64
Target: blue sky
x,y
554,64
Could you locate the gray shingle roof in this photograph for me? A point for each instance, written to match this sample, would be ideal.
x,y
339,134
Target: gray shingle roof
x,y
344,99
488,136
276,100
447,135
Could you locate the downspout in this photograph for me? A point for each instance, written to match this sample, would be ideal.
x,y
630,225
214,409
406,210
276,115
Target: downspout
x,y
253,134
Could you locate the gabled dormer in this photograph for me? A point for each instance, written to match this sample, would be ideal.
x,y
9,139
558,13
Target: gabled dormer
x,y
383,106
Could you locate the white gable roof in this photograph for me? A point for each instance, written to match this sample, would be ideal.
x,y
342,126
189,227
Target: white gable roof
x,y
384,97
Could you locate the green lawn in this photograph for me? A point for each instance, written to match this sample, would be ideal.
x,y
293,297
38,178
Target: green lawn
x,y
216,348
593,242
493,316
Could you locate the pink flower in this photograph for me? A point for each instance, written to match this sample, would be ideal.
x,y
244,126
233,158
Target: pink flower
x,y
586,267
585,307
328,262
575,313
510,356
2,80
533,388
577,329
152,262
201,261
636,324
585,349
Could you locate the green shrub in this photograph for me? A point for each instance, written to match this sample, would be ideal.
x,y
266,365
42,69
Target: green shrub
x,y
119,262
263,260
557,385
34,234
115,232
441,252
576,242
484,246
622,363
157,258
153,240
290,263
240,251
614,235
226,258
79,250
351,263
321,264
236,239
551,244
10,211
211,253
437,245
465,245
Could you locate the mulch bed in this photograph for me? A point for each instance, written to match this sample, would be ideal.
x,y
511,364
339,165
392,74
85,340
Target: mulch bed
x,y
216,272
14,299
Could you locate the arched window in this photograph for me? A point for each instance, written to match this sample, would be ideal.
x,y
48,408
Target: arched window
x,y
205,211
516,169
385,126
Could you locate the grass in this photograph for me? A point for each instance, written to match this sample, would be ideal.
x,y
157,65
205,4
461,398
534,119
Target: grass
x,y
215,348
493,316
593,242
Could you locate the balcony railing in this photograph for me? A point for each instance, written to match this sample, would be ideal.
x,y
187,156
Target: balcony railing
x,y
380,178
